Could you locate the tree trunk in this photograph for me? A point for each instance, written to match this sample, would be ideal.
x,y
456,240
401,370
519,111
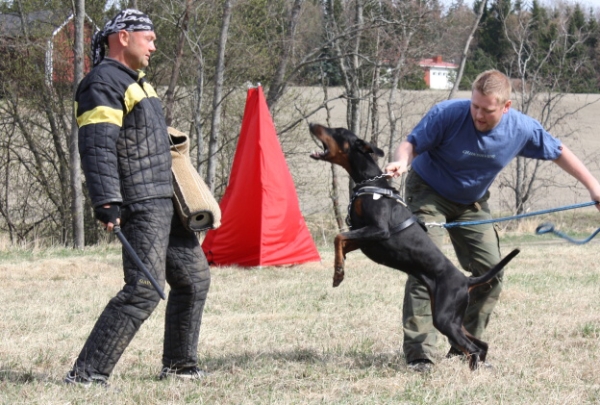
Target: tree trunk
x,y
170,94
392,119
198,97
5,204
463,57
349,70
335,189
354,90
279,83
24,22
74,159
375,85
213,142
49,104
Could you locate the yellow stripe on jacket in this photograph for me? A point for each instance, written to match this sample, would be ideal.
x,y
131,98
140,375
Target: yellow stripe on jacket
x,y
101,114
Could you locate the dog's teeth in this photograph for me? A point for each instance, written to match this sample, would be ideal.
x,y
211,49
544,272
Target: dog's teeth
x,y
318,154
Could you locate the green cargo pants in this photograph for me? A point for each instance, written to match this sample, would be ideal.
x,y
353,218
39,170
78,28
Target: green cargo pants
x,y
477,249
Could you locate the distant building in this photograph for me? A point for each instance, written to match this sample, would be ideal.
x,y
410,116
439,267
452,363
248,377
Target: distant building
x,y
439,75
49,44
60,58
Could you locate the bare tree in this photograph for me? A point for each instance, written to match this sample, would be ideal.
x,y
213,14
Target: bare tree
x,y
405,23
41,189
335,189
348,59
279,83
213,143
465,53
197,121
74,159
374,99
180,45
544,70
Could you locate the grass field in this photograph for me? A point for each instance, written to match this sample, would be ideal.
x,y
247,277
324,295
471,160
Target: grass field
x,y
285,336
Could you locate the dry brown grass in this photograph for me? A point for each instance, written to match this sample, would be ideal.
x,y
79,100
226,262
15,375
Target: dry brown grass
x,y
285,336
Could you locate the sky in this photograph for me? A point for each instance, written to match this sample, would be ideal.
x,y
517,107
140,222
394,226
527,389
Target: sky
x,y
585,3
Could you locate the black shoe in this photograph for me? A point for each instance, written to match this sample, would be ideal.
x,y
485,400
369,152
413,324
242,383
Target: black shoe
x,y
73,378
420,365
188,373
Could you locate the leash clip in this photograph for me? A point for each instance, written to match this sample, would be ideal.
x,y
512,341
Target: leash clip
x,y
435,224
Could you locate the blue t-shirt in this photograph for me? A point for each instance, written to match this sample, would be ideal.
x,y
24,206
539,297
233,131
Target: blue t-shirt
x,y
459,162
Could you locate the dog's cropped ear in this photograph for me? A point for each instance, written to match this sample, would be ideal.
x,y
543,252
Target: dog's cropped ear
x,y
366,147
377,151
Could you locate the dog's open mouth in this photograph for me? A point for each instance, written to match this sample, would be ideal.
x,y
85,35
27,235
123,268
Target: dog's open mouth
x,y
320,155
320,138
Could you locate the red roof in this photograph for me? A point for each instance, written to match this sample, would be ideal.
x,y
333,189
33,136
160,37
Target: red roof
x,y
437,62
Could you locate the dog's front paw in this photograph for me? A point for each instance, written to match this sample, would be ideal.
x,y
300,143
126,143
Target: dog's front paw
x,y
338,276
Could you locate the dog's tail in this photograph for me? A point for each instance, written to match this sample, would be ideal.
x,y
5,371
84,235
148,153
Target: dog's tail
x,y
493,272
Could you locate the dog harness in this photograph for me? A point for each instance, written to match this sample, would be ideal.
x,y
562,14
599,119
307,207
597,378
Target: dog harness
x,y
377,193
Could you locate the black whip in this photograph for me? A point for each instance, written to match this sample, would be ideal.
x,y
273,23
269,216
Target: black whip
x,y
138,262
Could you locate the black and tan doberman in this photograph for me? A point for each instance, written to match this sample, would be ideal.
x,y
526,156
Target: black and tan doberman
x,y
386,231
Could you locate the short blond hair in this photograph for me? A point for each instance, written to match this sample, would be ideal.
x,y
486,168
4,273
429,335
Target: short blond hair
x,y
493,82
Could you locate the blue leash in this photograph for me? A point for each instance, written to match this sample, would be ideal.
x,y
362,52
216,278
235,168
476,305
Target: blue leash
x,y
530,214
549,227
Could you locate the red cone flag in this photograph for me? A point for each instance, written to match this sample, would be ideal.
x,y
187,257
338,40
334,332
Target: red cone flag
x,y
261,222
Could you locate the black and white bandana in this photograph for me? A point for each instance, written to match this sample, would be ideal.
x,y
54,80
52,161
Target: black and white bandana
x,y
127,20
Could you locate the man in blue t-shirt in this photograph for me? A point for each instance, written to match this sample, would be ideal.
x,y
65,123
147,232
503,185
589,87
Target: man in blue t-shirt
x,y
456,152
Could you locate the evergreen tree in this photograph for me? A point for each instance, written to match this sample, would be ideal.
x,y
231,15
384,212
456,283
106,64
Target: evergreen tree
x,y
491,38
593,47
584,71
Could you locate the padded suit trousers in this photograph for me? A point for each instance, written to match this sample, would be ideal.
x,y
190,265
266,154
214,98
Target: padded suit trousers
x,y
172,253
477,249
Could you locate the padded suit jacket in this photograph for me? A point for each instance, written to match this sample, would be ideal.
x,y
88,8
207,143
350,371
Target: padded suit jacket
x,y
123,138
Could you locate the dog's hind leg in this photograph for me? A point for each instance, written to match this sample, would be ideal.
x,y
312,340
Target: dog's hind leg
x,y
483,346
474,352
448,313
471,348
